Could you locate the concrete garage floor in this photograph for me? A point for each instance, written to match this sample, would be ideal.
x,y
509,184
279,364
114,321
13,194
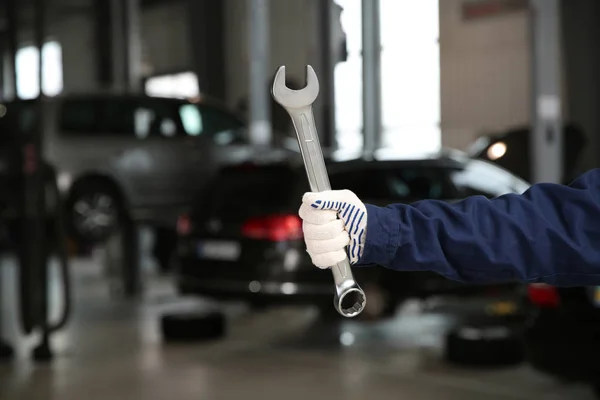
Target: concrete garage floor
x,y
112,350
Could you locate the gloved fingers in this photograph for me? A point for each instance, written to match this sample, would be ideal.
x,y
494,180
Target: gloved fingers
x,y
329,200
354,218
326,231
354,250
326,260
328,246
316,217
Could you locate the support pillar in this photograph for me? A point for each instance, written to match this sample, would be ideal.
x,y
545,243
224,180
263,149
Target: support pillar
x,y
260,73
103,43
206,26
117,49
35,201
3,67
329,49
371,58
8,91
125,45
547,100
132,45
10,81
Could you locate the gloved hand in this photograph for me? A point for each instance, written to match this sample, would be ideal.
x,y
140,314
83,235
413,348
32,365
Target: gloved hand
x,y
333,220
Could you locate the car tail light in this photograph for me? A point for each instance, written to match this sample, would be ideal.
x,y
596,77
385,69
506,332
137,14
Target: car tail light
x,y
184,225
275,228
542,295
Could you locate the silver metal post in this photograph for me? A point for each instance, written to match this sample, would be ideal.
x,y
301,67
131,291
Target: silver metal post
x,y
547,137
371,58
133,45
118,46
259,97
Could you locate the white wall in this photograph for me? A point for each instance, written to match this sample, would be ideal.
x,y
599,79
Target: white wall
x,y
485,74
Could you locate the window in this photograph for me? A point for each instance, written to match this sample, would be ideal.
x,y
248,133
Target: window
x,y
191,119
348,97
365,183
396,184
133,117
143,118
483,178
216,120
27,63
223,127
410,76
17,118
232,184
79,116
147,117
418,183
161,119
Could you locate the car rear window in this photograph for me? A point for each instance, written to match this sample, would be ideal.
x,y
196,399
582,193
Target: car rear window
x,y
394,183
239,193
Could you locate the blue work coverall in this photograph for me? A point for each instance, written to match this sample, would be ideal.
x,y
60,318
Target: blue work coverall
x,y
549,234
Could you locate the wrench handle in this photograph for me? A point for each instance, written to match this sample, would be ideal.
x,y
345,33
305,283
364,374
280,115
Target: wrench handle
x,y
318,179
310,148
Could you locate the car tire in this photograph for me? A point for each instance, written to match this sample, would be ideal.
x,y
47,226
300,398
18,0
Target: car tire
x,y
193,326
596,390
485,341
94,212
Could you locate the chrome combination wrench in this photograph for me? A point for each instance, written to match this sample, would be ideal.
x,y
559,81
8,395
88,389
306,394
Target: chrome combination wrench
x,y
349,299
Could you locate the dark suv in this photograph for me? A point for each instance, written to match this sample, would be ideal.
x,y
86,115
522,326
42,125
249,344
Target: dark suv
x,y
244,239
563,336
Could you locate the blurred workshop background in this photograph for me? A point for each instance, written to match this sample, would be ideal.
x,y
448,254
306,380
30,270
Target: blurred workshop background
x,y
149,237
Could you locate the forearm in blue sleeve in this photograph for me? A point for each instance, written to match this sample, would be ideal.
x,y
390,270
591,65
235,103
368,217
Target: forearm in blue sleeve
x,y
549,234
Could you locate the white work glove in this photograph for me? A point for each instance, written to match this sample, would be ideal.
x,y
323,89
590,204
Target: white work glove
x,y
333,220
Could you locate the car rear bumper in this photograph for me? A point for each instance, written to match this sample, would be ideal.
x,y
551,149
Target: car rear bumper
x,y
263,291
262,272
567,346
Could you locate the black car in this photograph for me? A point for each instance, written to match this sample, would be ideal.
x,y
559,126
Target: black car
x,y
243,239
563,336
512,150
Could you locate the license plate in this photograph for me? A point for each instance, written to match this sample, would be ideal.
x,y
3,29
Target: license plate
x,y
218,250
502,308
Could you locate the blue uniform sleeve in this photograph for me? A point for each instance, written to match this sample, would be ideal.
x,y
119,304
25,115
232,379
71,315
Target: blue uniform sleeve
x,y
549,234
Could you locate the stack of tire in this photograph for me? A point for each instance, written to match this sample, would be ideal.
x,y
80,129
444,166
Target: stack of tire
x,y
193,326
487,340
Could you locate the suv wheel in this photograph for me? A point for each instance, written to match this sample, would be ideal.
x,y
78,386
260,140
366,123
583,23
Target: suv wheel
x,y
94,212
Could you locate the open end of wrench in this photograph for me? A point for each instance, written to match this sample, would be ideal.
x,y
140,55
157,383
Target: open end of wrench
x,y
291,98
